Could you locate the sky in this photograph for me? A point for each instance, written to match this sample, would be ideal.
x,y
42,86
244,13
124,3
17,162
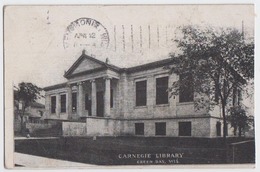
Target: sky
x,y
34,44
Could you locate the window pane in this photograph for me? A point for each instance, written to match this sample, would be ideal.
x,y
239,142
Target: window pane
x,y
184,128
161,90
141,93
53,104
139,128
186,93
160,128
74,102
63,103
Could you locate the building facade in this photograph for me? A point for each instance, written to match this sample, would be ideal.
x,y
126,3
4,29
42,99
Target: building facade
x,y
114,101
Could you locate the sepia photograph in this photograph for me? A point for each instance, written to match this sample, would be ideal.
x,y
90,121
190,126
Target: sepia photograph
x,y
106,86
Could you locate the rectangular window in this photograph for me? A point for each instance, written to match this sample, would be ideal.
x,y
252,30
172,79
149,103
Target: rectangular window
x,y
160,128
140,93
161,90
139,128
186,91
53,104
184,128
111,98
63,103
74,102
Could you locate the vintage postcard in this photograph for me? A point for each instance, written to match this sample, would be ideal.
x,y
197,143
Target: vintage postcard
x,y
91,86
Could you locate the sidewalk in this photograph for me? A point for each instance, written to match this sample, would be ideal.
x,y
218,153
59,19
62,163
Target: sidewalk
x,y
32,161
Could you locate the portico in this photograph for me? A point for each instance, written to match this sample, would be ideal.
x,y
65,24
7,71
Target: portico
x,y
90,97
90,91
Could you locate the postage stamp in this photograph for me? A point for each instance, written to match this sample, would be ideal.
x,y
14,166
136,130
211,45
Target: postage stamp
x,y
129,85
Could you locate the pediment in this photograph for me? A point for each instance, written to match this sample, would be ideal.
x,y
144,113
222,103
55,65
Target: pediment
x,y
86,65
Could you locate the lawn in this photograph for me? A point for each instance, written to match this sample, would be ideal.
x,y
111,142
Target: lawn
x,y
129,150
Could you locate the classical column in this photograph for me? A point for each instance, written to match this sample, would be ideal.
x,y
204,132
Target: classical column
x,y
58,105
80,99
69,104
107,96
93,98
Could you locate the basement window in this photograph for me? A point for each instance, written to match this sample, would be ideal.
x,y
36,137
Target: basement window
x,y
160,128
139,128
184,128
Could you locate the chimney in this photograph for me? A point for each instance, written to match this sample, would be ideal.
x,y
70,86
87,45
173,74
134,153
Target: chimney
x,y
83,51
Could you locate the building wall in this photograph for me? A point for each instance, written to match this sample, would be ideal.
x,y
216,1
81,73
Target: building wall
x,y
151,110
200,127
216,111
213,128
124,97
125,113
57,93
74,129
100,126
114,111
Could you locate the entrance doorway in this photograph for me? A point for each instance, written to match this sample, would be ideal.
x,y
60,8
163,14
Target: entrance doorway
x,y
88,104
100,103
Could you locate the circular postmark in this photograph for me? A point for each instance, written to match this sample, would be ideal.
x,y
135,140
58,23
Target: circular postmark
x,y
86,33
